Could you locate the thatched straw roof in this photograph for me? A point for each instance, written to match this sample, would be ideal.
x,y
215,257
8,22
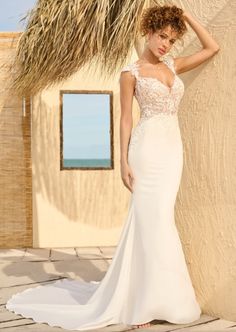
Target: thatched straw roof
x,y
63,36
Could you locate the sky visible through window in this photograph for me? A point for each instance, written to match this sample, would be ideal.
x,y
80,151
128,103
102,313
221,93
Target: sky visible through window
x,y
86,126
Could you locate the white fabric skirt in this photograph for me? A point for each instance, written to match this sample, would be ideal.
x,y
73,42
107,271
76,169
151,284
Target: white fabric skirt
x,y
148,277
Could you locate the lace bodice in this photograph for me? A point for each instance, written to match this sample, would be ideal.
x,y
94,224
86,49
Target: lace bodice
x,y
153,96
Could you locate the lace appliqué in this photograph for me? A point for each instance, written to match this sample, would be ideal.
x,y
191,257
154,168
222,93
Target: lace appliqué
x,y
154,97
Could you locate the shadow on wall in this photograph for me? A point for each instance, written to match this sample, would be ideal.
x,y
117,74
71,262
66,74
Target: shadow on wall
x,y
77,194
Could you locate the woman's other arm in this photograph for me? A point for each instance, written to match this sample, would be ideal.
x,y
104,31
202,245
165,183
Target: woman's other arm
x,y
127,84
209,47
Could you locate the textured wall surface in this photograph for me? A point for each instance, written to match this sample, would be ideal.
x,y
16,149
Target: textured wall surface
x,y
206,203
73,207
15,158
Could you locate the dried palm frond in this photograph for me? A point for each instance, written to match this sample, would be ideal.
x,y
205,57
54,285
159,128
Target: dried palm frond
x,y
63,36
121,30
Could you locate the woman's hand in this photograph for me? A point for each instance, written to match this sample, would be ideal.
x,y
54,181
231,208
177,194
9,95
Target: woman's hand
x,y
185,15
127,176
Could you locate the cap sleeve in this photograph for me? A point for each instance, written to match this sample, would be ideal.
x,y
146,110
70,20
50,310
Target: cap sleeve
x,y
132,68
170,62
126,68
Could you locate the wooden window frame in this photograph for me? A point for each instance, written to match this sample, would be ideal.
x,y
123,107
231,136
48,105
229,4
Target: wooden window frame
x,y
110,93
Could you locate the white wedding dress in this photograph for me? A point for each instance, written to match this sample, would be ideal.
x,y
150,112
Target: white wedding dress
x,y
148,277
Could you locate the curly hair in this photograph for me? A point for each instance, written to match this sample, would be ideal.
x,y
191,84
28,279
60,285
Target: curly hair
x,y
158,17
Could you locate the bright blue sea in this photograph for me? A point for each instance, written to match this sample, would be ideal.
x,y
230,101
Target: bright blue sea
x,y
87,162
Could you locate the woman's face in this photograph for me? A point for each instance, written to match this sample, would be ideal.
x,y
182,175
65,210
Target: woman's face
x,y
161,41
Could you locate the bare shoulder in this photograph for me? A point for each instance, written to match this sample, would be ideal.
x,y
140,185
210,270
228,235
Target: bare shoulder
x,y
128,73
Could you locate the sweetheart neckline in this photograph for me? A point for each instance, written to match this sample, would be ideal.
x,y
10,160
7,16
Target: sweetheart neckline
x,y
156,79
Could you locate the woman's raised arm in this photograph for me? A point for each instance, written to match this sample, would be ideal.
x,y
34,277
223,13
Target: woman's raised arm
x,y
209,47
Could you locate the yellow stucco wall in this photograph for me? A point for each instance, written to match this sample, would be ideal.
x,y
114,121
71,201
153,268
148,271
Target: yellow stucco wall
x,y
206,202
74,207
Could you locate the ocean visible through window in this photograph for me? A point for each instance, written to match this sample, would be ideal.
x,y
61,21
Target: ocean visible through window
x,y
86,128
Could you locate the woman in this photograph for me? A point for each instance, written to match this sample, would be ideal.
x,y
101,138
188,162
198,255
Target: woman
x,y
151,161
148,277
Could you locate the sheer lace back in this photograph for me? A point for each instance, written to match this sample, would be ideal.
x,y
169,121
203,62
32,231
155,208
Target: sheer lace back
x,y
154,96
